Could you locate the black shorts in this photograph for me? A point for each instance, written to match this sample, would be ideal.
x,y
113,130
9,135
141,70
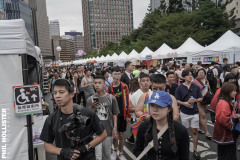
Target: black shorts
x,y
121,124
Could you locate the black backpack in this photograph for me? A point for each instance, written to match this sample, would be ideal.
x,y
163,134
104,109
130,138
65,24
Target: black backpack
x,y
210,76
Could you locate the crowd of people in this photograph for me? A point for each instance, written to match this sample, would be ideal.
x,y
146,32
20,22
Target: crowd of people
x,y
148,100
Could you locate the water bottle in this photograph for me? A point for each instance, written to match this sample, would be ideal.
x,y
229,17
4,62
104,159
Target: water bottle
x,y
192,104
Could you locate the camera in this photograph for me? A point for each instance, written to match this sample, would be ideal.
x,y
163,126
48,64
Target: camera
x,y
76,120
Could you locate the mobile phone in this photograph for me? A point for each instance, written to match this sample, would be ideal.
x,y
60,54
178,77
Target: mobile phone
x,y
95,99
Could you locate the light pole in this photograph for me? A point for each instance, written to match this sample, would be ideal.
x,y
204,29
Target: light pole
x,y
58,50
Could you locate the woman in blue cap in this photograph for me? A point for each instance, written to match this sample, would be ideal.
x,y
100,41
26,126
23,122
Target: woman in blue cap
x,y
169,146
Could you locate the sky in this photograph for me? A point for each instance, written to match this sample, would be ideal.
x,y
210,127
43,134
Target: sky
x,y
69,13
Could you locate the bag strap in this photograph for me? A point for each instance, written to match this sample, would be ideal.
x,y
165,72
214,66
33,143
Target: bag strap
x,y
150,144
189,91
200,82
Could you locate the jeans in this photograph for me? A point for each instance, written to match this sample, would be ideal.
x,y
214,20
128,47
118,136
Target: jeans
x,y
103,150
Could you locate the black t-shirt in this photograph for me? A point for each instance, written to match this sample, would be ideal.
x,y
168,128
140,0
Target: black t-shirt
x,y
171,90
182,142
54,122
118,94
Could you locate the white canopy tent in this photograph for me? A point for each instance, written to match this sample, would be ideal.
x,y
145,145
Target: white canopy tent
x,y
14,41
102,59
227,46
113,58
146,51
188,47
162,52
133,55
123,56
108,57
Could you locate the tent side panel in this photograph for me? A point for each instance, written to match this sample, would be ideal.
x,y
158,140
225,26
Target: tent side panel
x,y
13,133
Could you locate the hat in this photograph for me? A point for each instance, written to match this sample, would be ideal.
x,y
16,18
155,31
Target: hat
x,y
161,98
98,67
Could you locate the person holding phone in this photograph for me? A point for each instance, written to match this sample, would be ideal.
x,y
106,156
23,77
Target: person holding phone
x,y
106,108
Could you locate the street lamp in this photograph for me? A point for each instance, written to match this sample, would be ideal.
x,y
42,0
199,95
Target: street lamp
x,y
58,50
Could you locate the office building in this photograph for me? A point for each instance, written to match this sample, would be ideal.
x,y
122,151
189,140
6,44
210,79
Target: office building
x,y
106,21
229,7
17,9
78,39
55,43
67,52
155,4
44,40
54,27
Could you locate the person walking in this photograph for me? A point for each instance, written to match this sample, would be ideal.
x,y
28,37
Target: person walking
x,y
78,79
203,84
87,84
174,142
106,108
188,95
121,92
127,75
224,124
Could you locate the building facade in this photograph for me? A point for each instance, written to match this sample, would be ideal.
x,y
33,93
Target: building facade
x,y
44,40
67,52
106,21
55,43
155,4
229,7
17,9
54,28
78,39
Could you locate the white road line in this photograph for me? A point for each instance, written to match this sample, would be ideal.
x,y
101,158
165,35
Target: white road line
x,y
210,124
129,153
209,121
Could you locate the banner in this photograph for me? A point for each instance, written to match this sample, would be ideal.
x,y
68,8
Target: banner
x,y
208,59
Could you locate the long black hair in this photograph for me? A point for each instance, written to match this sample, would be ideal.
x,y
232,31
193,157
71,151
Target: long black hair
x,y
171,130
69,78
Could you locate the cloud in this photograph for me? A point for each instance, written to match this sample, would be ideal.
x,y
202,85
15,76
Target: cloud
x,y
69,13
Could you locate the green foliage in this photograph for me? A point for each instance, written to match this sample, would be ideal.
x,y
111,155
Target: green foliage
x,y
206,23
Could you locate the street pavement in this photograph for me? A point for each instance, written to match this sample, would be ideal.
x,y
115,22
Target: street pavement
x,y
206,148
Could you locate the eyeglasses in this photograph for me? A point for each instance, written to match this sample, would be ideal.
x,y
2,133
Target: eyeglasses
x,y
117,74
158,89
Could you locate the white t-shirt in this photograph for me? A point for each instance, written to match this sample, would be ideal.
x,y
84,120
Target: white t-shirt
x,y
222,78
135,97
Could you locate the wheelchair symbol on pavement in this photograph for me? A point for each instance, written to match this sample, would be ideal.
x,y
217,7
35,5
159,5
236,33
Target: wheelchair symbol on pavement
x,y
24,97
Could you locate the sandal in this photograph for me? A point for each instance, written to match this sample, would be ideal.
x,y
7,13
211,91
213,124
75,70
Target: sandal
x,y
201,131
208,136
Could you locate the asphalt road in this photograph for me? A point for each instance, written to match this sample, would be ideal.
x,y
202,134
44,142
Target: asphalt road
x,y
206,148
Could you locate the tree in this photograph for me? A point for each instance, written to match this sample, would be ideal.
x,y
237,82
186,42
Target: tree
x,y
206,23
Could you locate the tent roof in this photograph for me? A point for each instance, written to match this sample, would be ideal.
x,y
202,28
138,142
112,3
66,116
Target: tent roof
x,y
133,55
190,45
162,51
114,57
123,56
14,38
228,42
146,51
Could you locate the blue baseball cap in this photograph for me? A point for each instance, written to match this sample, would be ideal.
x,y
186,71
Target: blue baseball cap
x,y
98,67
161,98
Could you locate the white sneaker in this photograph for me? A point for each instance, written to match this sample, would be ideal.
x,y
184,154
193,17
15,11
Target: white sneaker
x,y
122,157
114,155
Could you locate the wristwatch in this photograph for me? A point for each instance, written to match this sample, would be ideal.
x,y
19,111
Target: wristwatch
x,y
89,146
